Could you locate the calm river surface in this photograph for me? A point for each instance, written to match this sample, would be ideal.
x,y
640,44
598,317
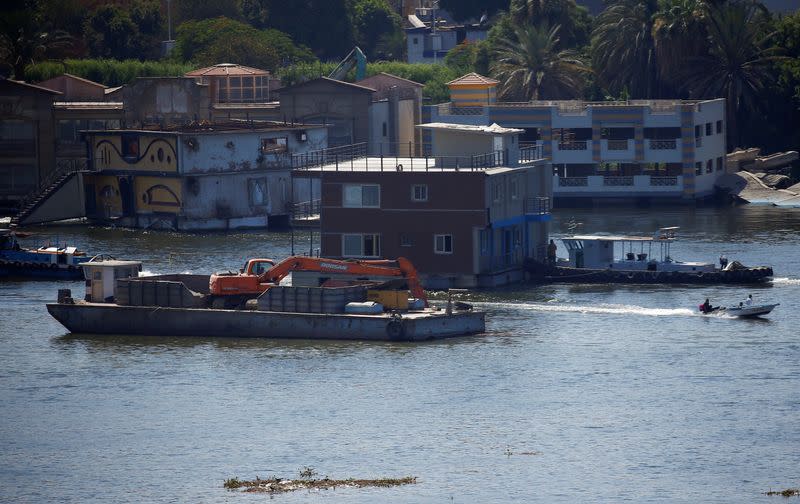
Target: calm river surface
x,y
575,394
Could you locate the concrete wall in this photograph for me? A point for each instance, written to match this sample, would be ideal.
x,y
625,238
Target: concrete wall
x,y
27,146
65,203
169,100
343,106
75,89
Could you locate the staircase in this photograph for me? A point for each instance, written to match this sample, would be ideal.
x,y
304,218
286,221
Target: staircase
x,y
49,186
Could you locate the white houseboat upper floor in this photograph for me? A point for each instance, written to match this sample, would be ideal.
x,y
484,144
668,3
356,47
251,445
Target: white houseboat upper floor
x,y
454,148
632,253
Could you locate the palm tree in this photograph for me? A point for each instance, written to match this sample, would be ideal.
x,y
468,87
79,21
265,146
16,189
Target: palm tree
x,y
531,66
736,64
679,34
23,42
624,50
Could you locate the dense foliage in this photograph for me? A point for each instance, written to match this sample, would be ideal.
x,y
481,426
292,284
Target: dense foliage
x,y
546,49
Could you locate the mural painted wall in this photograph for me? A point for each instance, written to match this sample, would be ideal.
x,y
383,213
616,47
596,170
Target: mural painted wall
x,y
135,152
158,194
107,198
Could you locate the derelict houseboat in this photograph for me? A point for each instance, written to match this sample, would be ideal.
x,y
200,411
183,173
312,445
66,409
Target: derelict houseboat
x,y
640,259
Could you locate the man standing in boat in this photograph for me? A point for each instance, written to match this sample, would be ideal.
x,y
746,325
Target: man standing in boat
x,y
551,253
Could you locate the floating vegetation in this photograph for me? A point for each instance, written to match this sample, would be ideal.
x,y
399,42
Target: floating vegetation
x,y
789,492
280,485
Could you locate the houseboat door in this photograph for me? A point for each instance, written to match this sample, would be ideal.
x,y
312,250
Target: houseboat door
x,y
126,195
91,200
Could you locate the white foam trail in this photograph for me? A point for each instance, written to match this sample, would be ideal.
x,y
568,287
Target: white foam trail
x,y
597,309
786,281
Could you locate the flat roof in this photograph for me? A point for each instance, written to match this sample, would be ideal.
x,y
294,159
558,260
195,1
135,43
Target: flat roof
x,y
616,238
494,129
404,165
243,126
89,105
111,264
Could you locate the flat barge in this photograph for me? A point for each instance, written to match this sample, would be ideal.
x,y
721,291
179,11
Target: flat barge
x,y
180,305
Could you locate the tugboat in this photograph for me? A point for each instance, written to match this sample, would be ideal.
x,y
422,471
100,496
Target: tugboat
x,y
46,262
643,259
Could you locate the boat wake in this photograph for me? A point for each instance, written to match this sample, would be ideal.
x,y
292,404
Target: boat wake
x,y
786,281
606,309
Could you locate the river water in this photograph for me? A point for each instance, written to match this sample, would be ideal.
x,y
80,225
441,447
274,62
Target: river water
x,y
575,393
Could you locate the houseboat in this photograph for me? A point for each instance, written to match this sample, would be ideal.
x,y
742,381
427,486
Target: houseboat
x,y
639,259
48,261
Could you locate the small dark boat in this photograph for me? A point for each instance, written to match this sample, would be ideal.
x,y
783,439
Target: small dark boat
x,y
46,262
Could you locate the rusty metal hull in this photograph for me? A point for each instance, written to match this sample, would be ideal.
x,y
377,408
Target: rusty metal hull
x,y
104,318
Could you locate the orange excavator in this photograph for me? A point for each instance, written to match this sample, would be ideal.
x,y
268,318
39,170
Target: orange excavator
x,y
258,275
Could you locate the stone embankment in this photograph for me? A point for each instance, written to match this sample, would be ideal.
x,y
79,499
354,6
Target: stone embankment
x,y
761,180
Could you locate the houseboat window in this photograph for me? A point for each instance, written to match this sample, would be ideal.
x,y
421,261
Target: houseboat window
x,y
719,164
361,196
130,146
512,186
361,245
406,240
709,166
498,191
708,129
698,132
719,126
698,168
443,244
258,191
419,192
274,145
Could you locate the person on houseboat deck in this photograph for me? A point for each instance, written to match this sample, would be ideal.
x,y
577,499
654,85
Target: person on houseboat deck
x,y
706,307
749,300
723,261
551,252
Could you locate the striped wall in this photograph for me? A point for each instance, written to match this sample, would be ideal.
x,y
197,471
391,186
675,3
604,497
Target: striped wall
x,y
472,96
609,117
527,117
687,150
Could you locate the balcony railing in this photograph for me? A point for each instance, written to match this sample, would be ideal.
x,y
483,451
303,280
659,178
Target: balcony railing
x,y
356,158
573,181
447,109
663,144
530,153
575,145
617,181
663,181
536,206
617,145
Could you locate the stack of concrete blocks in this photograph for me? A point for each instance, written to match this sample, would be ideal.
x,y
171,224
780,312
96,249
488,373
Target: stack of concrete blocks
x,y
310,299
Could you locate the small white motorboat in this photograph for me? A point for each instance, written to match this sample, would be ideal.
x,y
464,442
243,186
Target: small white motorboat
x,y
750,310
742,310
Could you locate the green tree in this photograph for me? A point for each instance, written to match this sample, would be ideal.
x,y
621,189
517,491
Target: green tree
x,y
23,40
462,10
374,22
623,48
574,20
462,57
737,63
223,40
531,67
114,32
679,34
325,26
186,10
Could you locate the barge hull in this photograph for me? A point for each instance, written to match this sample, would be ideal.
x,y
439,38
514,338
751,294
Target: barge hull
x,y
561,274
100,318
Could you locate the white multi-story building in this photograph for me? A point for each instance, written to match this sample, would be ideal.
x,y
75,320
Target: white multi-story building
x,y
429,42
652,149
